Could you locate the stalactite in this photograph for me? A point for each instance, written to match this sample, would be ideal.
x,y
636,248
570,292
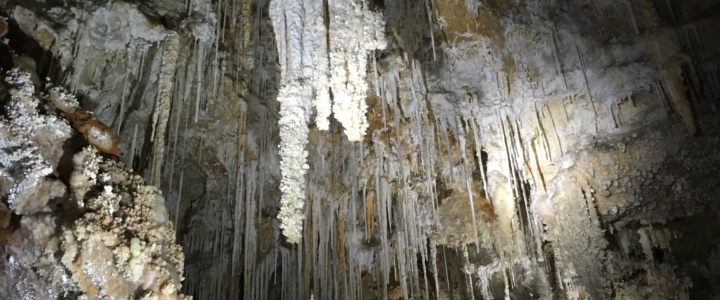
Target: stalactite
x,y
468,276
396,183
432,28
507,163
468,181
631,12
484,274
381,191
288,21
521,167
177,106
79,62
557,134
179,200
701,45
565,113
478,153
321,80
542,135
340,228
353,31
132,145
535,161
587,83
162,104
250,234
121,116
671,10
555,49
201,48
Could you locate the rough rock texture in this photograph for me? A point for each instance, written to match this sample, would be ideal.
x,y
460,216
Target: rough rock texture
x,y
514,149
75,224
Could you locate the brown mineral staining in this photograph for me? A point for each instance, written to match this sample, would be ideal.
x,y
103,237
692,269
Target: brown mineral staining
x,y
95,132
463,26
456,216
370,214
379,119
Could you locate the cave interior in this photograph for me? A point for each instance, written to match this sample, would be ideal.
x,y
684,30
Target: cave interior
x,y
357,149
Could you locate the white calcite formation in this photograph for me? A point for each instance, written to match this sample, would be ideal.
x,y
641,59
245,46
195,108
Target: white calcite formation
x,y
494,149
101,233
25,163
354,33
122,245
303,41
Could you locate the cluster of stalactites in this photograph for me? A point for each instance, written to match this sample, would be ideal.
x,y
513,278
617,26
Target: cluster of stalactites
x,y
354,31
308,71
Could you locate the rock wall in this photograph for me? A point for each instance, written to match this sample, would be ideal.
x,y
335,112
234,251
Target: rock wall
x,y
516,149
76,223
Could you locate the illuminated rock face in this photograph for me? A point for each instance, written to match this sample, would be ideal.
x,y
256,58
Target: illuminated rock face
x,y
376,150
76,223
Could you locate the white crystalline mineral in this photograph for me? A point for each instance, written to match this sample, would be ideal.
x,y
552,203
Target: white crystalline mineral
x,y
21,160
302,47
111,239
293,133
354,32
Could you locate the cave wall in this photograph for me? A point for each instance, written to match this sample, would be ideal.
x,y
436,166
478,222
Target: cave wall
x,y
553,149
